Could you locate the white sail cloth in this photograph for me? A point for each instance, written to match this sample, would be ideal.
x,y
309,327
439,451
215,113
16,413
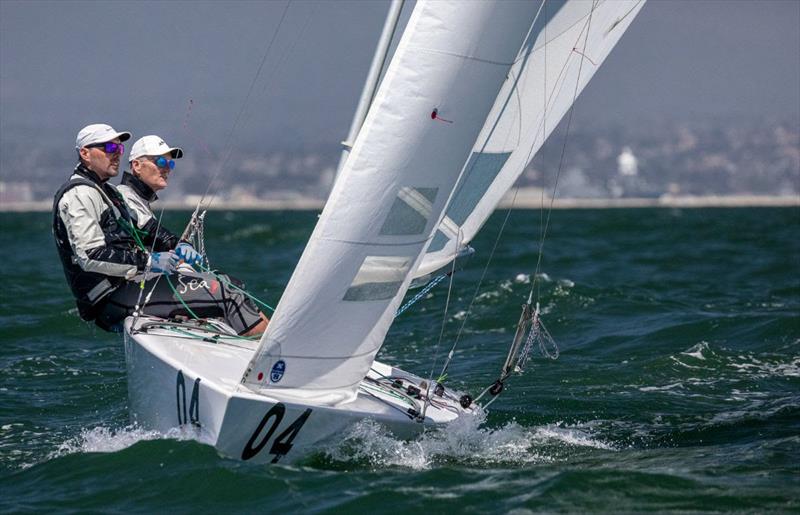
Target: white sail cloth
x,y
436,95
565,47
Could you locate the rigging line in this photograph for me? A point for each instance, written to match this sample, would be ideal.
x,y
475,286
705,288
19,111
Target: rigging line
x,y
229,139
515,91
203,144
524,55
563,153
138,309
477,289
285,55
421,294
516,190
544,136
444,323
233,287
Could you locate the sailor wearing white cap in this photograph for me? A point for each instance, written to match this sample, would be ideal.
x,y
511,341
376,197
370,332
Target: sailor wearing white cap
x,y
209,295
92,224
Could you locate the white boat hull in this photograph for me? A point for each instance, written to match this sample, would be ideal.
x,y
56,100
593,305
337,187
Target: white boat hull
x,y
177,379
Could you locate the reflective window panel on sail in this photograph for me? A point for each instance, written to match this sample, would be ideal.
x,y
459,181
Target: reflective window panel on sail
x,y
410,212
379,278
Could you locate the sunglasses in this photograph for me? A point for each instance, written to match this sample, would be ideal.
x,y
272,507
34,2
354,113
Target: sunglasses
x,y
163,162
109,148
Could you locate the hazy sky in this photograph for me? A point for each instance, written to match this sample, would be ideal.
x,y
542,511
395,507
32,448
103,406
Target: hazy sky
x,y
137,64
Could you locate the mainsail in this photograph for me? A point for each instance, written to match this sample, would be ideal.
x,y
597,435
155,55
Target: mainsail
x,y
564,48
438,91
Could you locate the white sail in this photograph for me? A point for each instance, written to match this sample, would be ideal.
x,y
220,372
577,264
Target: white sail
x,y
439,89
565,47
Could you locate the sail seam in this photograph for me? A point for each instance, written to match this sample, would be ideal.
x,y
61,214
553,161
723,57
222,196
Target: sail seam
x,y
463,56
306,387
349,356
370,243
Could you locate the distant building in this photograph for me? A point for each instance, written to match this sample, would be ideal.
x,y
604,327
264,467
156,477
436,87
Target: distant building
x,y
15,192
627,164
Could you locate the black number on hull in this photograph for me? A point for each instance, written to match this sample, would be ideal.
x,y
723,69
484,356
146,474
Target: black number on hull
x,y
279,446
194,405
180,398
276,411
180,401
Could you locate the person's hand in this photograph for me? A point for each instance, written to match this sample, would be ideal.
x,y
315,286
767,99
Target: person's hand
x,y
163,262
187,254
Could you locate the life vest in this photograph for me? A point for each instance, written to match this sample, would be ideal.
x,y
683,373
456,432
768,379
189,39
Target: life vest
x,y
90,288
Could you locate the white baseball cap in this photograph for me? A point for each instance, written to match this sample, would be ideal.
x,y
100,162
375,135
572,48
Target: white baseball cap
x,y
153,146
98,133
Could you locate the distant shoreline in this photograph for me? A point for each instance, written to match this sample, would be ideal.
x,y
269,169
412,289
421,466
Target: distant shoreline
x,y
525,199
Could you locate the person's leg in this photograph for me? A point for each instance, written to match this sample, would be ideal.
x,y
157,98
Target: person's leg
x,y
240,311
192,295
259,328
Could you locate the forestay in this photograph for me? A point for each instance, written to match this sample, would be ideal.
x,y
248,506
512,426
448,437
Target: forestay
x,y
448,68
566,45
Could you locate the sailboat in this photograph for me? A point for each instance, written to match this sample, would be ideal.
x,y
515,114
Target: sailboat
x,y
470,94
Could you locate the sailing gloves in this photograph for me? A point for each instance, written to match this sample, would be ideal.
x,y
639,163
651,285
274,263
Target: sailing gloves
x,y
163,262
167,262
187,254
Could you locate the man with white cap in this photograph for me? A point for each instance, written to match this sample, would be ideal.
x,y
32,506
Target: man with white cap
x,y
88,216
92,225
151,161
186,293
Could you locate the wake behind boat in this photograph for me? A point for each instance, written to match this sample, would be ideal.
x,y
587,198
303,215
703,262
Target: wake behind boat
x,y
472,92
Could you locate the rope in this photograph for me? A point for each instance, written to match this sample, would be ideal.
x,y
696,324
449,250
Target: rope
x,y
137,309
535,280
475,293
232,286
428,287
444,323
544,223
450,355
171,287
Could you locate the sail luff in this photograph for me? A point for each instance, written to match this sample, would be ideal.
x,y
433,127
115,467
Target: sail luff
x,y
373,77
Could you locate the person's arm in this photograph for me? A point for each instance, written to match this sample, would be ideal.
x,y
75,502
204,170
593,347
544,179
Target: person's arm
x,y
156,236
81,209
159,237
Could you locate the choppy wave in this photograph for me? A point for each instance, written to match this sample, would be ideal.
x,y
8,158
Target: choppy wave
x,y
676,389
467,442
102,439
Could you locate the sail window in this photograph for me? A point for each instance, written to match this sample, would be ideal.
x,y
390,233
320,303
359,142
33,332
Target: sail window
x,y
481,170
438,243
379,278
410,212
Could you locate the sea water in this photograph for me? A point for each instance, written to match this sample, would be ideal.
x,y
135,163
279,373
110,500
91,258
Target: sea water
x,y
677,387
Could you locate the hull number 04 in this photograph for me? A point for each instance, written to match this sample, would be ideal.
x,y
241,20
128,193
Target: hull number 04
x,y
283,442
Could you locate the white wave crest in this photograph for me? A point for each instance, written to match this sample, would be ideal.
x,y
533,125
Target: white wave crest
x,y
696,351
462,441
104,439
763,369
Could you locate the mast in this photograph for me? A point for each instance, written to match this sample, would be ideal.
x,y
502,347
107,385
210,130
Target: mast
x,y
371,84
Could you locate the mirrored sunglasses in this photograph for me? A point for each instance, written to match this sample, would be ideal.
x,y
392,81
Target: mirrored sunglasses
x,y
163,162
109,147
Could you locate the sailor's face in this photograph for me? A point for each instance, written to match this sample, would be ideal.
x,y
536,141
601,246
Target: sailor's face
x,y
104,164
146,169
